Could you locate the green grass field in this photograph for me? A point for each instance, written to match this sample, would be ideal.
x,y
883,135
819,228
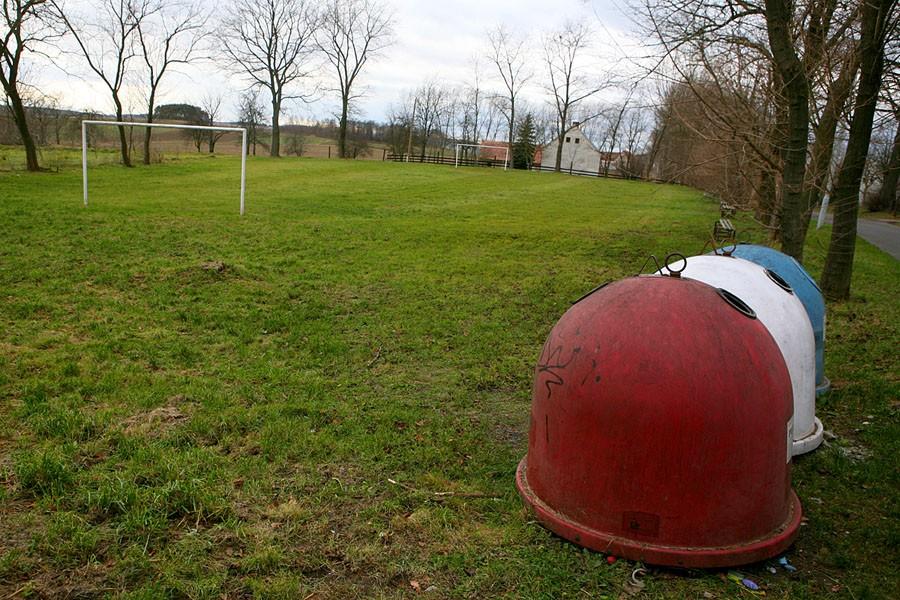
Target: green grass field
x,y
199,405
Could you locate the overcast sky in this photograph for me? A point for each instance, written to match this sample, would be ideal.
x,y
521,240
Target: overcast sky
x,y
433,40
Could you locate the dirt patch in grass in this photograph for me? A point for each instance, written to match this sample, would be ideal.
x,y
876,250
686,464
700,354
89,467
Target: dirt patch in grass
x,y
216,266
88,581
19,522
13,534
512,434
159,421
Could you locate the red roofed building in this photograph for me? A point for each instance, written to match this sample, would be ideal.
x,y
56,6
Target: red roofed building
x,y
497,151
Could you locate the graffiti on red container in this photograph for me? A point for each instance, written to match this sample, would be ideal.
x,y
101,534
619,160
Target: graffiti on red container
x,y
553,366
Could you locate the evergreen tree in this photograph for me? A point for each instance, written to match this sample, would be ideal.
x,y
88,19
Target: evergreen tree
x,y
524,146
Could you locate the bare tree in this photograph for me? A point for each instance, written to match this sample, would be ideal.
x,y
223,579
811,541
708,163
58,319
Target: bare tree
x,y
634,141
399,127
794,83
493,120
272,42
24,27
508,53
212,106
107,43
568,85
58,119
832,111
42,111
95,135
197,136
167,38
879,23
431,100
452,105
662,116
544,124
715,118
252,114
891,174
792,52
613,118
353,31
477,114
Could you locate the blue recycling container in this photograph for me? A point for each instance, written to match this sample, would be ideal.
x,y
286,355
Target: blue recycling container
x,y
806,289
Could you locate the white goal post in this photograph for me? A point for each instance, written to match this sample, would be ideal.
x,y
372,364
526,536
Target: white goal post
x,y
84,147
505,160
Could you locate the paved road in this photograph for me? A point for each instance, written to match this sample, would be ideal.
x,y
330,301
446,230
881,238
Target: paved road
x,y
885,236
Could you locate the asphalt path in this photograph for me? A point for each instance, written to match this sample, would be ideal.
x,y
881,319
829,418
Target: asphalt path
x,y
882,234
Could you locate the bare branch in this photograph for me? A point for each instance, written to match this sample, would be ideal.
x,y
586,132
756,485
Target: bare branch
x,y
353,32
271,43
567,83
508,53
170,36
107,43
26,27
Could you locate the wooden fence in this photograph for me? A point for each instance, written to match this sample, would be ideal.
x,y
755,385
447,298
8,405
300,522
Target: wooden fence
x,y
487,162
437,159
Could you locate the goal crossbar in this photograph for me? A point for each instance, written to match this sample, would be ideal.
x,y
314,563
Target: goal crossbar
x,y
505,160
84,146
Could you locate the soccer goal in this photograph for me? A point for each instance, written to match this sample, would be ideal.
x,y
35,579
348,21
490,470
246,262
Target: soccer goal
x,y
84,147
506,148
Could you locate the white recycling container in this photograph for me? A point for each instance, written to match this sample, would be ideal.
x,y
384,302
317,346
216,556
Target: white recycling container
x,y
783,314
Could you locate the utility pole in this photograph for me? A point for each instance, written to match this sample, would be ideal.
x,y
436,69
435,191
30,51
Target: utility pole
x,y
412,120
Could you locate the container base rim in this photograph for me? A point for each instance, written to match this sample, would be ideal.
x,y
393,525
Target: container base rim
x,y
657,554
810,442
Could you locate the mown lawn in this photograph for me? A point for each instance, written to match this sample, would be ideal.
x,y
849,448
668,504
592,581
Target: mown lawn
x,y
328,397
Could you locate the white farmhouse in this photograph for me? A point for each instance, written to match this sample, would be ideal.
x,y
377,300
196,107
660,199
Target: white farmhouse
x,y
578,153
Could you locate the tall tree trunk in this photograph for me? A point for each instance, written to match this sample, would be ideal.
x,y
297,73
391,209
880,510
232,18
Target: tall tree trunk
x,y
512,123
654,148
765,197
795,90
342,128
148,130
275,148
21,120
557,166
888,194
838,269
123,140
